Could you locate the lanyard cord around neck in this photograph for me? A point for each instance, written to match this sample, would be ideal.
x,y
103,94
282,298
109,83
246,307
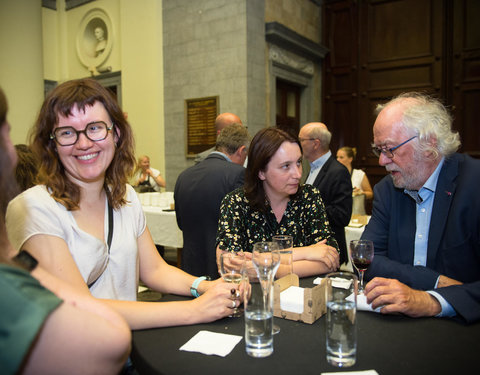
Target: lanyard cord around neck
x,y
109,235
110,226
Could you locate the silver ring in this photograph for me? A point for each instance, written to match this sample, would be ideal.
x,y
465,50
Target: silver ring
x,y
234,304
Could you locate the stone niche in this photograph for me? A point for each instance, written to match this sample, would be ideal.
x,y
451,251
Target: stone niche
x,y
94,39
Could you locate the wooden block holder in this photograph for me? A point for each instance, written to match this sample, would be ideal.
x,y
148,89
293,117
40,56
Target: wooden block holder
x,y
313,300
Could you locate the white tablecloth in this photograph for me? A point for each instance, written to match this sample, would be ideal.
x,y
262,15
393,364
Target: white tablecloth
x,y
351,233
162,224
163,227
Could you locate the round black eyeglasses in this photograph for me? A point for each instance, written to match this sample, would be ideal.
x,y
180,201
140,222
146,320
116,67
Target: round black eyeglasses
x,y
68,136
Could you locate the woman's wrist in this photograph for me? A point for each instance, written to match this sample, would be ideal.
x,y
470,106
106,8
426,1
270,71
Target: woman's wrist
x,y
199,286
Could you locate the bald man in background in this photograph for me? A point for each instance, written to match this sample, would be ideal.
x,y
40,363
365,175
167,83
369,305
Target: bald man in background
x,y
221,122
330,177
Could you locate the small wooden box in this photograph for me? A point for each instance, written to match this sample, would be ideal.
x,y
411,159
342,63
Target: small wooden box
x,y
313,300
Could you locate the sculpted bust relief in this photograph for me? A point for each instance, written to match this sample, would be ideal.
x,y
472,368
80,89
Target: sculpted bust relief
x,y
101,41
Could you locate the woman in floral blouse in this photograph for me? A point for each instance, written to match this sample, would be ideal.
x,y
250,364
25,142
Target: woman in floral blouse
x,y
273,202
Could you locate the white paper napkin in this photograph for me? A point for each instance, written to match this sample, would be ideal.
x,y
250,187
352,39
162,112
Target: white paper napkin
x,y
361,298
364,372
211,343
291,299
362,303
338,282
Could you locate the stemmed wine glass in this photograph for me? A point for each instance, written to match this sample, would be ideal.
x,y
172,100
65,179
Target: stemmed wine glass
x,y
361,255
231,264
266,259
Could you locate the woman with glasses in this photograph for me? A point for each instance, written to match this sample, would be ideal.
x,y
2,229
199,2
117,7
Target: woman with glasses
x,y
46,327
85,224
361,186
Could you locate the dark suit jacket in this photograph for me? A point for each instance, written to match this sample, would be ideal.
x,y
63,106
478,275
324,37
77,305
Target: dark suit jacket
x,y
335,185
199,191
453,240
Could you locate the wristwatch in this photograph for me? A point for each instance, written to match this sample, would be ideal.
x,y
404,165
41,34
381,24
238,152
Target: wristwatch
x,y
25,260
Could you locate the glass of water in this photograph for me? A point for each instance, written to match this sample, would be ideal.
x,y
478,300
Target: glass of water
x,y
341,331
258,306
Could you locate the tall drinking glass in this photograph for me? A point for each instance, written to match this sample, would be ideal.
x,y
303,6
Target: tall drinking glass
x,y
285,249
231,264
361,254
258,305
341,332
266,259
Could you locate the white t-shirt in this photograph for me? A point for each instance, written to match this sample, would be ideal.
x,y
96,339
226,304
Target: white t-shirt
x,y
358,200
153,183
36,212
357,178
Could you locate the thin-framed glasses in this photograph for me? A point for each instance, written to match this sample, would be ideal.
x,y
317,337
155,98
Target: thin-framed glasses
x,y
306,139
68,136
388,152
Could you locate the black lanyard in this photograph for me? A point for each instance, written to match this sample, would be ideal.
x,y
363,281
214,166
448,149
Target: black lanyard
x,y
109,237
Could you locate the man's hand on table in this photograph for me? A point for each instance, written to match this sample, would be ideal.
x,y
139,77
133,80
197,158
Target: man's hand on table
x,y
395,297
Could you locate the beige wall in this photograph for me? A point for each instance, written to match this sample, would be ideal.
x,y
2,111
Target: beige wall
x,y
21,67
142,76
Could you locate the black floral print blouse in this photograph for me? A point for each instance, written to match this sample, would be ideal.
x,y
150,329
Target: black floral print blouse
x,y
239,226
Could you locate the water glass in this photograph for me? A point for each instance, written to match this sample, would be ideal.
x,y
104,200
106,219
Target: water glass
x,y
258,312
341,331
285,249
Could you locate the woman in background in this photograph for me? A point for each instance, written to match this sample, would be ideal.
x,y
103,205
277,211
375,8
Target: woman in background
x,y
145,178
48,327
273,202
85,224
361,186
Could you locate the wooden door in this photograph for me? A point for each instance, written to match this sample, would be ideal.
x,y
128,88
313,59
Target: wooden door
x,y
381,48
288,107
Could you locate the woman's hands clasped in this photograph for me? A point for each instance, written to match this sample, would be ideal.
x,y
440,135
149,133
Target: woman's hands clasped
x,y
321,252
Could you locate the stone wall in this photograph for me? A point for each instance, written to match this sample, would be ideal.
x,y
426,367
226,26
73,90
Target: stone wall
x,y
211,48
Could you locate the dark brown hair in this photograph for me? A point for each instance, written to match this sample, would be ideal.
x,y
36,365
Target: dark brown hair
x,y
264,145
27,167
81,93
8,187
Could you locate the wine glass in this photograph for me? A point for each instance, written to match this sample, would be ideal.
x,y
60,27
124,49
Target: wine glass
x,y
266,259
231,264
361,254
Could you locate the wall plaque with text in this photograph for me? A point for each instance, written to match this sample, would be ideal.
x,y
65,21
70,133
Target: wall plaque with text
x,y
200,119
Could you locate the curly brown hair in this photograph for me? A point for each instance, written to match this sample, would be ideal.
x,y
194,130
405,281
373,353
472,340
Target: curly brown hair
x,y
81,93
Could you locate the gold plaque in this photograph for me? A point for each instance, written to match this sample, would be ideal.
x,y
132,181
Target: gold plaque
x,y
200,119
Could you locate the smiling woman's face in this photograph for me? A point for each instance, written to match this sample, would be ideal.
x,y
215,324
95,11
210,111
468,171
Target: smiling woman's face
x,y
86,161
